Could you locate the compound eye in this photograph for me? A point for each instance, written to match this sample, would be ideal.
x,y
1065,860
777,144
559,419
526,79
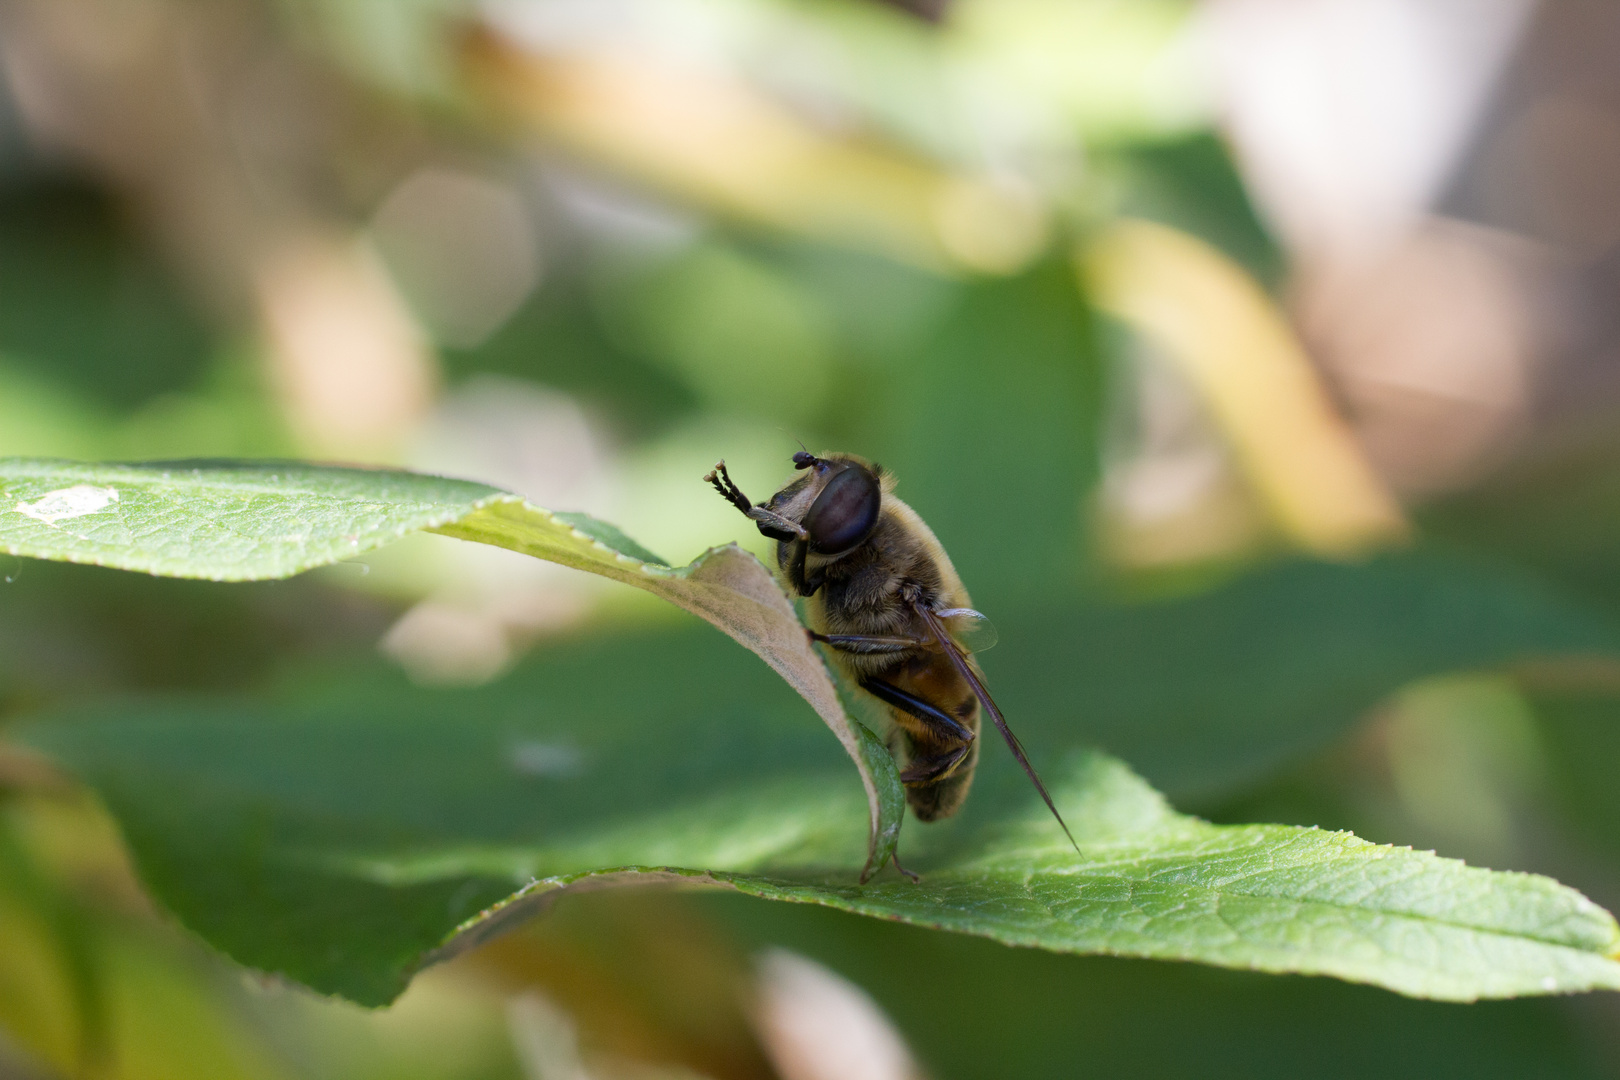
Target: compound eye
x,y
845,513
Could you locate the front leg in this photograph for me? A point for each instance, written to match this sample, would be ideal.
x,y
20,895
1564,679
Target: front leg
x,y
776,526
796,567
769,522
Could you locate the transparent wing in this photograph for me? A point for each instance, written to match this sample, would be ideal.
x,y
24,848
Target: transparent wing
x,y
970,628
959,659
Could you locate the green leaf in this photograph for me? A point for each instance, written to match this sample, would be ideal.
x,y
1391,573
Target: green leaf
x,y
244,522
348,841
1272,898
345,838
731,589
86,304
1580,739
1208,693
997,456
1556,513
1192,184
220,521
1032,1009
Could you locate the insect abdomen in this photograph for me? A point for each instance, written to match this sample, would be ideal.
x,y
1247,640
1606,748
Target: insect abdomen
x,y
931,680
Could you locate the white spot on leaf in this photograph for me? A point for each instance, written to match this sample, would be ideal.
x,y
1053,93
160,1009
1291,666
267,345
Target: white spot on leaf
x,y
65,503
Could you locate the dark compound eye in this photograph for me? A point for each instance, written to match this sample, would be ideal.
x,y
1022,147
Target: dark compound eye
x,y
845,513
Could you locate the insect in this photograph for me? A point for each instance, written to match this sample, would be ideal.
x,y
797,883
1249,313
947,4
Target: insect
x,y
883,596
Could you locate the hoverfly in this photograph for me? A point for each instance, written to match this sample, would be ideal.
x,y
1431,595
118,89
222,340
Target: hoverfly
x,y
884,597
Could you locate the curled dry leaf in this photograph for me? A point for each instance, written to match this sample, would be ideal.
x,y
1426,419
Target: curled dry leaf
x,y
235,521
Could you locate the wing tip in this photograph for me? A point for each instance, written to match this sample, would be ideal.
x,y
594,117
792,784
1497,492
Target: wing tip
x,y
983,694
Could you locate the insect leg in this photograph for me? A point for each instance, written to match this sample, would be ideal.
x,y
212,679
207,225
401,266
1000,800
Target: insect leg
x,y
867,643
945,733
944,726
729,491
775,525
770,523
931,769
795,570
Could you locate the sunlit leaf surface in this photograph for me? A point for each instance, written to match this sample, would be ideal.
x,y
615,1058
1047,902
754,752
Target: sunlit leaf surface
x,y
345,837
218,520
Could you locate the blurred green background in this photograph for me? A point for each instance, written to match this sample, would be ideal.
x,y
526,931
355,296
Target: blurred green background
x,y
1255,360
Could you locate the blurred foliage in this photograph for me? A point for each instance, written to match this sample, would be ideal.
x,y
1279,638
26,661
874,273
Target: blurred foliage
x,y
1191,184
86,307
